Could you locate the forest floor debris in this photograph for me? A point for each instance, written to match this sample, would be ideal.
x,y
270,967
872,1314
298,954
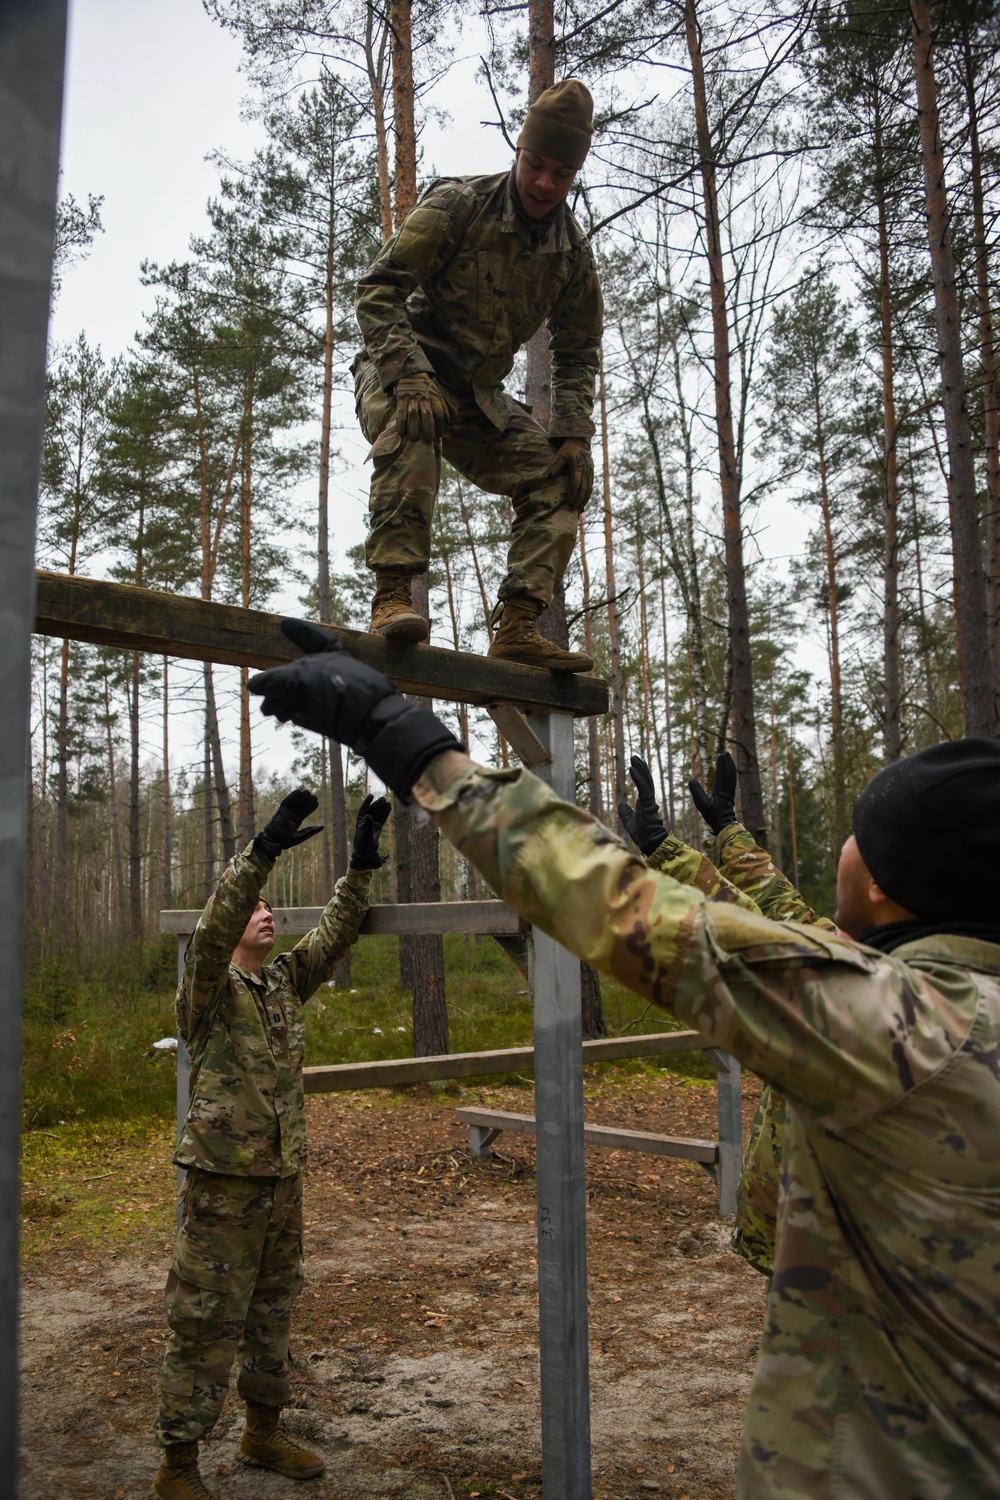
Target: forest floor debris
x,y
415,1338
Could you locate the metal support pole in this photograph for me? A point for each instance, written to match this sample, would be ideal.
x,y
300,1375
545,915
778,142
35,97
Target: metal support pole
x,y
562,1193
727,1077
183,1077
32,54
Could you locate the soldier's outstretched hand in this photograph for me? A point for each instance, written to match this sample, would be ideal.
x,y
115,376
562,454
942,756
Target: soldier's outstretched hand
x,y
283,831
644,826
330,692
573,458
717,807
421,410
372,816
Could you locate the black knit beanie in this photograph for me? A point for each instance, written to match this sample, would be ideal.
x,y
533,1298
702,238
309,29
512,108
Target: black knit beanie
x,y
928,828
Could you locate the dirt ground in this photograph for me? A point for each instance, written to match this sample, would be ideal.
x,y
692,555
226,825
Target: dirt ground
x,y
415,1340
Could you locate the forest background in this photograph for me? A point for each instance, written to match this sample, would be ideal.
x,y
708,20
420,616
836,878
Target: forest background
x,y
793,548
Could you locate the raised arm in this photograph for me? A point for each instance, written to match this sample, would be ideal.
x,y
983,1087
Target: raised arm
x,y
665,851
312,961
219,929
741,859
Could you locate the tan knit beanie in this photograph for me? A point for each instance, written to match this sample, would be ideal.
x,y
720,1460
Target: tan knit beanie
x,y
560,123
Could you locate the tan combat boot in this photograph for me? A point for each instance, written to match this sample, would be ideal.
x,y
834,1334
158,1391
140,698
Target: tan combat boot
x,y
393,614
265,1444
518,639
177,1477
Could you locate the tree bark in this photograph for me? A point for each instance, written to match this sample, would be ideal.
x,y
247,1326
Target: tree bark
x,y
134,809
424,956
400,20
167,876
987,354
836,696
245,814
593,742
376,40
226,830
617,693
892,732
208,842
744,723
980,708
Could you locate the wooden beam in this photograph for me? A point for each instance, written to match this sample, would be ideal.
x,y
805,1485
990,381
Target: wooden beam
x,y
488,917
519,735
391,1072
609,1136
117,614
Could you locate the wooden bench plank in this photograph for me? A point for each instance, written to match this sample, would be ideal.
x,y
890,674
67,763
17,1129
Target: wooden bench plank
x,y
389,1073
610,1136
119,614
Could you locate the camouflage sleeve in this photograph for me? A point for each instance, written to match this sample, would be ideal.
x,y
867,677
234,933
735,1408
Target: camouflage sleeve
x,y
423,242
312,961
576,324
679,860
757,1195
750,868
843,1031
219,929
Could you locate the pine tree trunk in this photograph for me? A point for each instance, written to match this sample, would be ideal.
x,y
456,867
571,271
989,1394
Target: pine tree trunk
x,y
226,830
134,809
405,176
617,693
890,615
167,881
744,724
208,841
245,814
60,885
338,804
593,740
376,41
980,708
423,956
836,695
987,354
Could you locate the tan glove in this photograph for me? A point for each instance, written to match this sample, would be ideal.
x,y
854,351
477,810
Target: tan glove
x,y
421,410
573,458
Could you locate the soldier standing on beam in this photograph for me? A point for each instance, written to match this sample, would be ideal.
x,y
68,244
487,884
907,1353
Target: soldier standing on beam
x,y
237,1263
476,269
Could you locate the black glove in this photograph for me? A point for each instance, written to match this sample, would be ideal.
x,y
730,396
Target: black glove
x,y
330,692
644,826
372,815
718,808
283,831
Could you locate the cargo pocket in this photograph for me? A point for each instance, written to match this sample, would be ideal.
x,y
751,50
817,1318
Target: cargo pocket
x,y
215,1248
387,442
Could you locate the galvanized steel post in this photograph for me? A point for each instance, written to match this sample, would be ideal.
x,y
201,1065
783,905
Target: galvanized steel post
x,y
561,1186
32,55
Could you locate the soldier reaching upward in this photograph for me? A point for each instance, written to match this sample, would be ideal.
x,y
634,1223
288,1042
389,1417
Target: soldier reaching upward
x,y
879,1368
237,1264
476,269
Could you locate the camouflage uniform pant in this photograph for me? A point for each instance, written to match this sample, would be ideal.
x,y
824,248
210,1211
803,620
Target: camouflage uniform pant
x,y
406,477
760,1181
236,1271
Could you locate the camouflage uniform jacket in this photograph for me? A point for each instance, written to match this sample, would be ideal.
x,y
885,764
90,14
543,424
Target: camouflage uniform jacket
x,y
246,1036
464,282
879,1367
751,868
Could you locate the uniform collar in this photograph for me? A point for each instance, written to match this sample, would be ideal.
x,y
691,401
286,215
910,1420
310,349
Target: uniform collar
x,y
541,234
262,979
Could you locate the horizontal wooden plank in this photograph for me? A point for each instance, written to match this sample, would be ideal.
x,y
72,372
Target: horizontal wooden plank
x,y
491,918
609,1136
118,614
392,1072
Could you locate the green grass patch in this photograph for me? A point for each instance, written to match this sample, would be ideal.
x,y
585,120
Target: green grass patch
x,y
90,1058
